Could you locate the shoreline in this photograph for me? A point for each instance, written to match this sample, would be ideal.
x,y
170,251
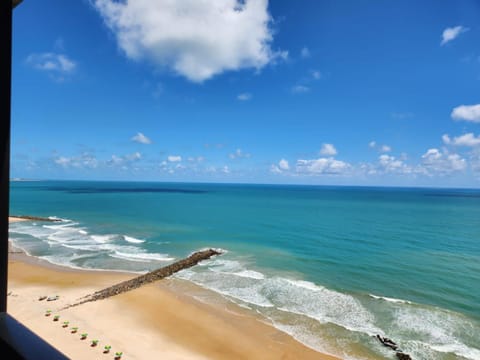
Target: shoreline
x,y
194,323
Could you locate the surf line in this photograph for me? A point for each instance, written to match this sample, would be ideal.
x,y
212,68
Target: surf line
x,y
148,278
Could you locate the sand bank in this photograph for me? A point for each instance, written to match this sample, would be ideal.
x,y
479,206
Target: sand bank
x,y
160,320
12,219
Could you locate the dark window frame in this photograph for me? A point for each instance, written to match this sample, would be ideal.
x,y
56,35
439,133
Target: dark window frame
x,y
16,341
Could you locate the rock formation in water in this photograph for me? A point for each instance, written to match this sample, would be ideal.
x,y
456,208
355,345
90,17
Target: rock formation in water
x,y
149,277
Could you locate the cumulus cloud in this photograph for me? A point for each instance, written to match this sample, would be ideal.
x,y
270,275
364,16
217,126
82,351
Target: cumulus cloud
x,y
467,113
385,148
468,140
452,33
84,160
316,74
305,53
322,166
300,89
133,157
390,164
442,162
475,160
174,158
198,159
244,96
226,170
62,161
238,154
328,150
275,169
380,148
124,160
53,63
142,139
195,38
282,166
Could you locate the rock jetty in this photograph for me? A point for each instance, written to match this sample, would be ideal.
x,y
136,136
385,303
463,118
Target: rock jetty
x,y
149,277
393,345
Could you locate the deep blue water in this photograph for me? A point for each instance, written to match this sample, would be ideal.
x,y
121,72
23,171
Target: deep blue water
x,y
329,265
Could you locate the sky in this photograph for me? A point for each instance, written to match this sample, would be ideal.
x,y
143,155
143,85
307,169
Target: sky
x,y
383,93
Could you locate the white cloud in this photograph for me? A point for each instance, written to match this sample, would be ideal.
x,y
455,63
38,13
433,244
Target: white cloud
x,y
390,164
133,157
452,33
238,154
197,159
380,148
475,160
305,53
446,139
385,148
142,139
196,39
300,89
328,150
468,140
283,164
467,113
115,160
435,161
124,160
244,96
322,166
52,62
174,158
225,170
275,169
62,160
84,160
316,74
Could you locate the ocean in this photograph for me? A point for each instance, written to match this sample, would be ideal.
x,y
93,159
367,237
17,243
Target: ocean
x,y
332,266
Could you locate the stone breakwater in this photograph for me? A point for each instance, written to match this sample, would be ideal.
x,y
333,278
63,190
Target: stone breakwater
x,y
149,277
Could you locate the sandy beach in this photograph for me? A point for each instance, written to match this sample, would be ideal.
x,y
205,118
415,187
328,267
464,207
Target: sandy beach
x,y
168,319
13,219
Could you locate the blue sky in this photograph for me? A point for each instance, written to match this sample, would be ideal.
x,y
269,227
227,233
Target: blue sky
x,y
308,92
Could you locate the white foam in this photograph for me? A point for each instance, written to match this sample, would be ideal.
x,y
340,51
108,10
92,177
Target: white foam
x,y
392,300
458,349
56,218
435,329
75,241
305,284
250,274
60,226
103,238
142,257
132,240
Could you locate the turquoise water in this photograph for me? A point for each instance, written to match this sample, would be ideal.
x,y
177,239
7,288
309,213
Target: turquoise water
x,y
331,266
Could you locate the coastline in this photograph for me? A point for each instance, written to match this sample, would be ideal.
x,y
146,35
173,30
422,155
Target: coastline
x,y
166,318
